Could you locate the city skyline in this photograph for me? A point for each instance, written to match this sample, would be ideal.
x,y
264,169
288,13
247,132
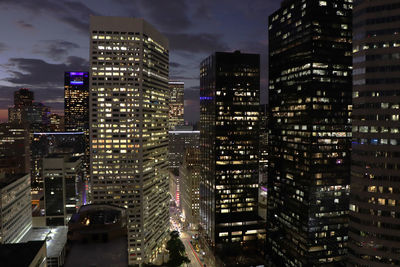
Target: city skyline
x,y
199,133
197,30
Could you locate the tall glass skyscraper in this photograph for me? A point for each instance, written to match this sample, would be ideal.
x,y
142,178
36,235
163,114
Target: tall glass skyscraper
x,y
375,173
76,101
76,108
229,113
310,132
176,103
129,128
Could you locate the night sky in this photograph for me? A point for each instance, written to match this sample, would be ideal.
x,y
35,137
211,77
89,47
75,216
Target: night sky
x,y
43,38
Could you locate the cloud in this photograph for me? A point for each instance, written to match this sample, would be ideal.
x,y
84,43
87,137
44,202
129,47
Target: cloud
x,y
175,65
38,73
167,15
3,47
197,42
55,49
74,13
192,104
24,24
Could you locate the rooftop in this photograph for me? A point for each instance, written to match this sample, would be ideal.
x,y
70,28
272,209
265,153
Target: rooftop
x,y
56,238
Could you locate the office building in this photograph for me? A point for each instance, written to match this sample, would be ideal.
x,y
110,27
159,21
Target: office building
x,y
56,123
176,103
15,207
189,179
263,144
23,97
76,101
375,180
61,174
76,108
180,138
229,113
46,143
14,148
309,132
129,128
31,114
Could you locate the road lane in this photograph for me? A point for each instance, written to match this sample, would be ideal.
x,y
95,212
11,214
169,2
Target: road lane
x,y
192,255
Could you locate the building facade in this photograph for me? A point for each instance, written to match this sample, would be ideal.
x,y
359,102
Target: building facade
x,y
76,101
229,113
375,180
28,113
76,108
15,207
14,148
176,103
129,128
61,174
310,132
189,179
180,138
46,143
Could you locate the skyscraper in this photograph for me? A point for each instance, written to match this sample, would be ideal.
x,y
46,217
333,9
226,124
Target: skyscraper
x,y
31,114
14,148
15,207
375,173
176,103
61,174
76,108
129,127
23,97
310,132
76,101
229,112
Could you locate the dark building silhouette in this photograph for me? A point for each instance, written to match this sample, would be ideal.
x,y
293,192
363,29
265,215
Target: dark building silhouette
x,y
375,173
33,115
310,132
23,97
229,113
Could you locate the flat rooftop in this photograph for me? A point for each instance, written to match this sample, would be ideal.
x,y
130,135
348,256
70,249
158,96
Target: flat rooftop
x,y
56,238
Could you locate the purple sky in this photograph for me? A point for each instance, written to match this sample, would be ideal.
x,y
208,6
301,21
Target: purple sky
x,y
42,39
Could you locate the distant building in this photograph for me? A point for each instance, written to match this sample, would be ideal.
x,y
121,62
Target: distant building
x,y
129,128
229,114
56,123
15,207
28,113
176,104
189,179
76,108
76,101
14,148
180,138
29,254
23,98
46,143
61,174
